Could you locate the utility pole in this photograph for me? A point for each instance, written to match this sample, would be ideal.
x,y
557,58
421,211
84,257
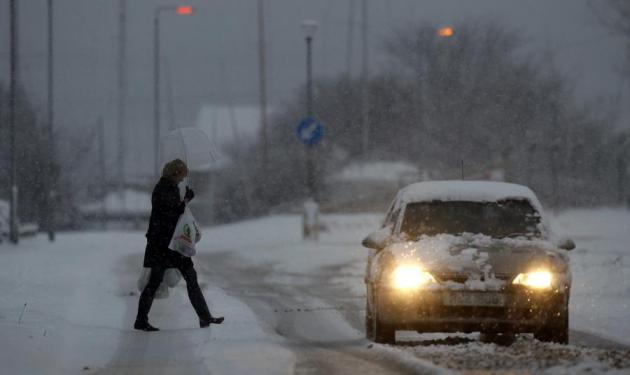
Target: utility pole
x,y
156,90
347,99
103,173
364,79
13,46
49,215
263,85
122,92
350,39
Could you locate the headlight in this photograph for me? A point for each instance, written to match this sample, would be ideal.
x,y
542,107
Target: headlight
x,y
535,280
411,277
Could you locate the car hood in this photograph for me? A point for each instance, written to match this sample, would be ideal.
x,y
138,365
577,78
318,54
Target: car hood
x,y
467,254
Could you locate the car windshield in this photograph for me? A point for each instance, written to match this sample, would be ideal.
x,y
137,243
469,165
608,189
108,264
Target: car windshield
x,y
508,218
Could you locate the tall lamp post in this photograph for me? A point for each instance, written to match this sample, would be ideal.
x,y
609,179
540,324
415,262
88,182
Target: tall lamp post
x,y
182,11
364,79
13,224
50,197
122,93
310,28
262,75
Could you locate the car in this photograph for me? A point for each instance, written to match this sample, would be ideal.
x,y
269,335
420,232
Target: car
x,y
467,256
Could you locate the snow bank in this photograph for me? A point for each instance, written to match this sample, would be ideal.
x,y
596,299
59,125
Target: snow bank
x,y
526,355
409,360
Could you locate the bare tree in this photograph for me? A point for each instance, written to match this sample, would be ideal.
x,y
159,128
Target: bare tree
x,y
31,156
476,96
615,16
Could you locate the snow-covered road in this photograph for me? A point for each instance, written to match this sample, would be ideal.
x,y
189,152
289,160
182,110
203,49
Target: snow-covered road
x,y
290,307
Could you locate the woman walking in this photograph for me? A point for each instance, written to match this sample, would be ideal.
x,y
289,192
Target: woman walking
x,y
166,207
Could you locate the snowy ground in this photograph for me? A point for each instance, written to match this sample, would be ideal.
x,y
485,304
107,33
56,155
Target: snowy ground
x,y
67,308
290,306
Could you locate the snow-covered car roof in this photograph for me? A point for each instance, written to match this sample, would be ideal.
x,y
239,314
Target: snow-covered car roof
x,y
469,191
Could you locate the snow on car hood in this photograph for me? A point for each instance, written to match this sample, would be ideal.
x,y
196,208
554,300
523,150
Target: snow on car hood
x,y
485,263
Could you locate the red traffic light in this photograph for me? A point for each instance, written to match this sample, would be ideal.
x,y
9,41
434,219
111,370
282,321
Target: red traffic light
x,y
446,32
184,10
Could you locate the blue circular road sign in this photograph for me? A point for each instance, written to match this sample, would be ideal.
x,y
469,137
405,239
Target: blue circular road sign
x,y
309,131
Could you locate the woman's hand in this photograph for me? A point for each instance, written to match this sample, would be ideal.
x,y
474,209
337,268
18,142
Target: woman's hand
x,y
190,194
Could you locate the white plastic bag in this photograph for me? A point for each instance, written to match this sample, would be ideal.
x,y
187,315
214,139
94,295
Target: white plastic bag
x,y
162,290
172,276
186,235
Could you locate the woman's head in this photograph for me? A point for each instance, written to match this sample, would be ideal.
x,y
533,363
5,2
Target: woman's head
x,y
175,170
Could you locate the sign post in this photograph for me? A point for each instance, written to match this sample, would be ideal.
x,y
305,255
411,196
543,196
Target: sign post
x,y
310,133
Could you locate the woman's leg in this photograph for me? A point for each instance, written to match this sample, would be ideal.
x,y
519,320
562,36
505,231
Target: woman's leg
x,y
146,298
194,291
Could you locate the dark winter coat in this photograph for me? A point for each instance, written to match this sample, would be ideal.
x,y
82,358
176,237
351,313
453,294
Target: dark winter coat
x,y
166,208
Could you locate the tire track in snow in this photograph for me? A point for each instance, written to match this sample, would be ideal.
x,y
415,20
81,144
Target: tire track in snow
x,y
324,341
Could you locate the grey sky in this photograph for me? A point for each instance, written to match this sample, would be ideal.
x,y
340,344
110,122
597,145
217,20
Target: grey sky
x,y
212,55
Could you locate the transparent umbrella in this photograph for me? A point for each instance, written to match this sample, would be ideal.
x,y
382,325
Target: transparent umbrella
x,y
193,146
190,144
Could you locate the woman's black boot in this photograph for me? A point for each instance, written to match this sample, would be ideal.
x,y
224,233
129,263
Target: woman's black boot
x,y
206,323
145,327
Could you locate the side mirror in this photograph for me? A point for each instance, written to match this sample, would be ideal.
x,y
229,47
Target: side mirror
x,y
370,243
378,239
566,244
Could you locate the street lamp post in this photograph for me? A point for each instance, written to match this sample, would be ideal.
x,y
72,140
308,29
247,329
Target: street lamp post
x,y
262,75
13,223
181,10
122,93
365,125
50,196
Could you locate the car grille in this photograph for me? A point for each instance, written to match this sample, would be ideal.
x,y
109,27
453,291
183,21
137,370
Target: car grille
x,y
462,278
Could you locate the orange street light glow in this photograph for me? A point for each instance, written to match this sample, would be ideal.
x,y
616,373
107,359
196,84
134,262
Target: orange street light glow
x,y
184,10
446,32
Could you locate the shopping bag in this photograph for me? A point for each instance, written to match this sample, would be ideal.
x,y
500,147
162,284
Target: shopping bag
x,y
186,234
162,291
143,280
172,276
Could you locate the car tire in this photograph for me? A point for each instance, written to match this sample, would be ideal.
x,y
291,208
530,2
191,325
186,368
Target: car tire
x,y
383,333
556,328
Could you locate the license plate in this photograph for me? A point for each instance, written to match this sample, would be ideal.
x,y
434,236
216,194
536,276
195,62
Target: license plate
x,y
474,299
